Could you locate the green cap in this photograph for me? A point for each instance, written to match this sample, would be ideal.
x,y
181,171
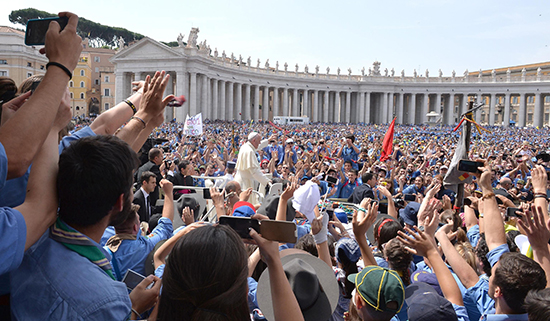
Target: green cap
x,y
378,286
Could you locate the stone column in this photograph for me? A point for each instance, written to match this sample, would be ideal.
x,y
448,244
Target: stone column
x,y
492,107
193,94
506,110
325,106
390,108
295,99
400,109
478,112
306,108
119,82
246,115
367,109
412,109
425,101
238,110
229,114
315,111
215,99
385,108
360,116
265,104
336,108
347,113
522,110
256,108
276,104
169,111
181,89
538,115
438,103
204,97
222,114
448,113
285,103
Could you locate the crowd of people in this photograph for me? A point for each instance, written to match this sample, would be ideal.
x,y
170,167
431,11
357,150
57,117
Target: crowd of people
x,y
107,218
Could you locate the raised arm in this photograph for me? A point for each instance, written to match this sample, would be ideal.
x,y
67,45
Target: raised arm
x,y
362,221
419,243
538,232
463,270
285,305
40,206
111,120
23,135
168,207
495,235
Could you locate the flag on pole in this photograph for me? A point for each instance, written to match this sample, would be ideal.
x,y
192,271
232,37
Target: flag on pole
x,y
387,144
454,176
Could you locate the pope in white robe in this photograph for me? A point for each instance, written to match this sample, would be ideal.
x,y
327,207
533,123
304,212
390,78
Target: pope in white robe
x,y
248,167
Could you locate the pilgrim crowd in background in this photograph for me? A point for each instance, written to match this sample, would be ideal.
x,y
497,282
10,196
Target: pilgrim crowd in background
x,y
380,232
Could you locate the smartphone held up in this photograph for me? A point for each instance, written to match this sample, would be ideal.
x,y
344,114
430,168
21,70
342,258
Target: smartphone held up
x,y
35,34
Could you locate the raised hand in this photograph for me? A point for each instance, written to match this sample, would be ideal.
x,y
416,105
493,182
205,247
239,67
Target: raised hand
x,y
417,242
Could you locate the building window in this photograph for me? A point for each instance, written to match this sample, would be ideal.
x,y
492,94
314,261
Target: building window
x,y
107,80
3,62
547,99
107,92
97,59
515,100
42,67
81,84
529,118
82,73
546,118
71,84
81,95
514,117
3,73
29,74
29,64
106,106
97,81
77,108
530,99
96,69
72,96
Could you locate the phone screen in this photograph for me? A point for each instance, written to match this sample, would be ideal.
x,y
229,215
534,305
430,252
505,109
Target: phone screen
x,y
241,225
37,28
132,279
332,180
469,166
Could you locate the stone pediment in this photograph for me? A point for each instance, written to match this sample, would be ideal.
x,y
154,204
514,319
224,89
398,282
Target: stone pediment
x,y
147,48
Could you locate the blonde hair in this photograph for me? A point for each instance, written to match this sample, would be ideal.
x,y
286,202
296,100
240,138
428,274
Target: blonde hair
x,y
466,250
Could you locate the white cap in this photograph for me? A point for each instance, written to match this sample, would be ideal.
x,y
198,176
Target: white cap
x,y
252,135
290,140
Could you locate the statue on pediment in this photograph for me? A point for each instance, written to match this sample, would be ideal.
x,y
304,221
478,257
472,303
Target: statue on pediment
x,y
193,36
306,69
121,42
180,40
392,72
216,52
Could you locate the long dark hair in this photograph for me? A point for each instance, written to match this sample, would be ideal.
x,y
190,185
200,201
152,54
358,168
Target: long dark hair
x,y
206,277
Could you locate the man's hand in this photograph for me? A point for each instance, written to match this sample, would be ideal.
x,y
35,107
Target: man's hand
x,y
536,229
539,179
63,46
217,197
167,186
290,189
10,107
152,101
64,114
142,298
417,242
245,194
188,216
362,221
138,86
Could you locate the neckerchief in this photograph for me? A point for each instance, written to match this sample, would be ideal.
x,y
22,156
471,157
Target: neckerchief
x,y
114,241
79,243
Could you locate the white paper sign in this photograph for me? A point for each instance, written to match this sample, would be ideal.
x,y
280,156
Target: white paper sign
x,y
193,125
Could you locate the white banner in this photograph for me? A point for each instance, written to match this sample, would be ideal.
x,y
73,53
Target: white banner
x,y
193,125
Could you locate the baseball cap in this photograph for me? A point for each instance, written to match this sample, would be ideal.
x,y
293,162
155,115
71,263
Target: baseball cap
x,y
349,248
243,209
424,304
379,286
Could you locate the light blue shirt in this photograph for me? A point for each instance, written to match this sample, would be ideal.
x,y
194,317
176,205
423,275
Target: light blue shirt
x,y
477,299
56,283
131,254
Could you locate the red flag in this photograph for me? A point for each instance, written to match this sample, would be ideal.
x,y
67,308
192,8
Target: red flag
x,y
387,144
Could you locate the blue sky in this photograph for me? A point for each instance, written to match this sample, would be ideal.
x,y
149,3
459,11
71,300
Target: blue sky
x,y
414,34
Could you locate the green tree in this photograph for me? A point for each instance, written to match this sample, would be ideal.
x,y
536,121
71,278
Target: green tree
x,y
99,35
